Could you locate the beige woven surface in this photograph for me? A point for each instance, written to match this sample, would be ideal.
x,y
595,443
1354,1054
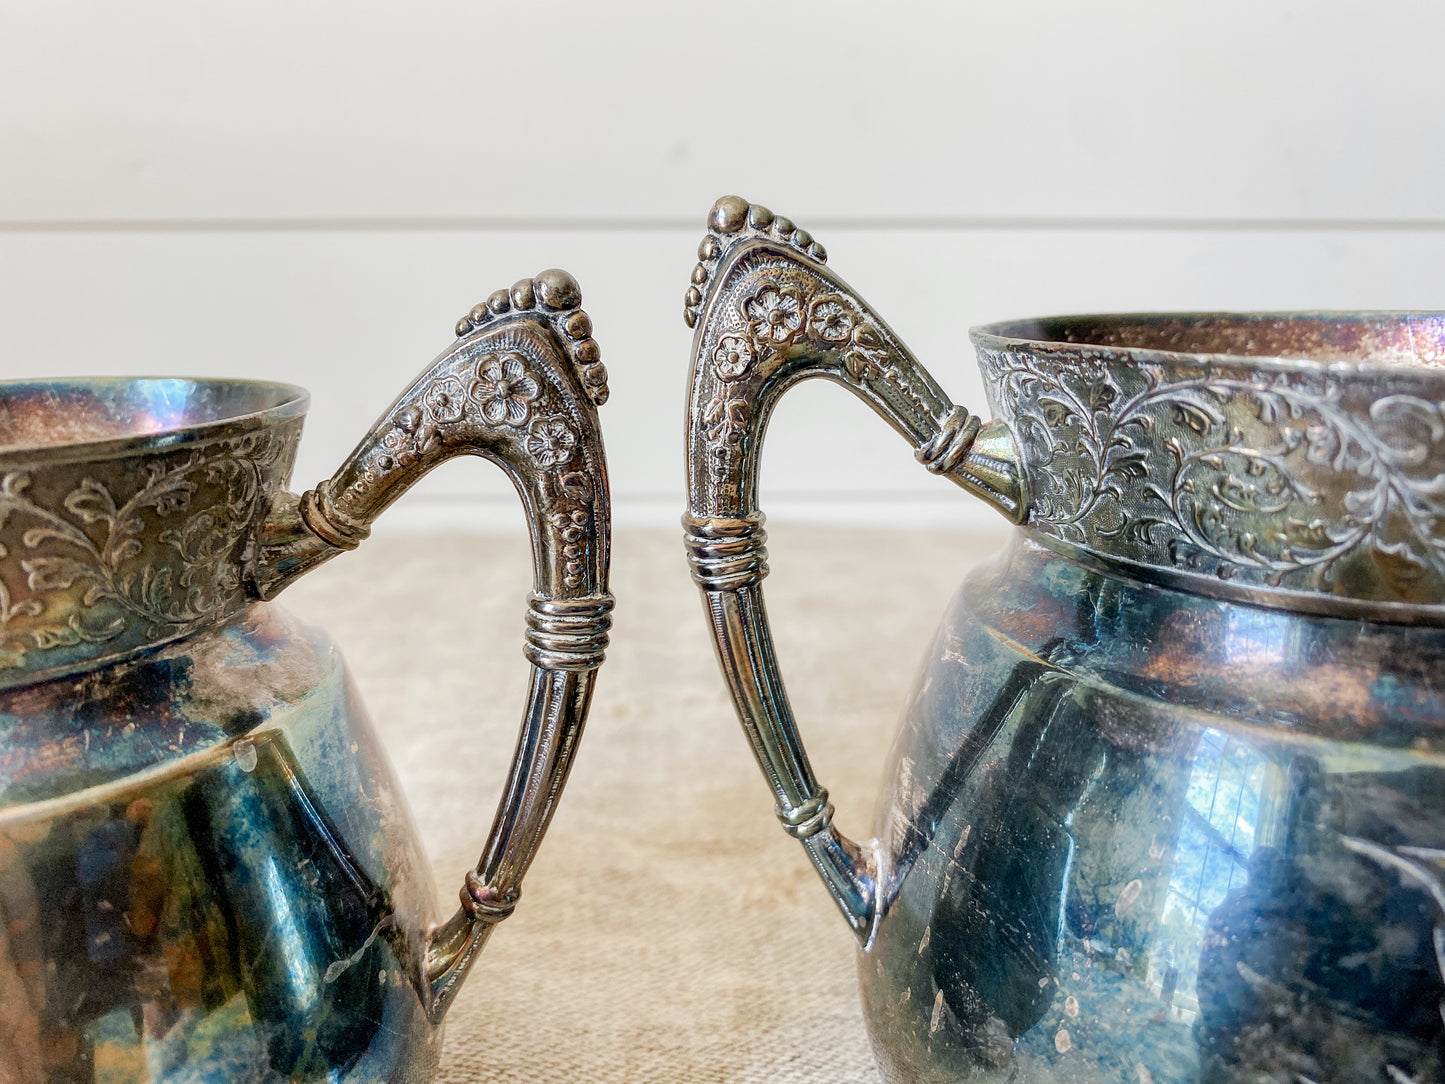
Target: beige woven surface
x,y
669,931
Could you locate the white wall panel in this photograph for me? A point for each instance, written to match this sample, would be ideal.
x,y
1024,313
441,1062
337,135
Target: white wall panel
x,y
644,110
353,314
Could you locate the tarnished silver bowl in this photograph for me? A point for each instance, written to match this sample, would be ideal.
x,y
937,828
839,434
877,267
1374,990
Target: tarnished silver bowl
x,y
1168,801
207,872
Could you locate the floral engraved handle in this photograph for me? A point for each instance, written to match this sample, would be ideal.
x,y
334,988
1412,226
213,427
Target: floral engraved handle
x,y
768,313
521,387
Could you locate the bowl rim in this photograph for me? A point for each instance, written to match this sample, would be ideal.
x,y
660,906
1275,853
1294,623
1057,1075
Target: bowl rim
x,y
288,401
1007,335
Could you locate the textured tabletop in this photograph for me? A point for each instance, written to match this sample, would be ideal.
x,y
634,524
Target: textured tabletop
x,y
669,930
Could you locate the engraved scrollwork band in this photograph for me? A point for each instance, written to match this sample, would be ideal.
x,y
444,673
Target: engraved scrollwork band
x,y
1282,481
108,551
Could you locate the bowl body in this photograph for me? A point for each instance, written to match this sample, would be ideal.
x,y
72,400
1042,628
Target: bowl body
x,y
1168,801
1132,832
206,870
208,873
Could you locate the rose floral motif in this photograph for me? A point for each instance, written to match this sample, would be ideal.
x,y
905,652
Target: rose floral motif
x,y
732,357
829,319
504,389
774,313
551,442
446,400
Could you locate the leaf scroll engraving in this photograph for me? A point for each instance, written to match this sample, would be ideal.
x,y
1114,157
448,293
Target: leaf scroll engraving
x,y
125,550
1304,480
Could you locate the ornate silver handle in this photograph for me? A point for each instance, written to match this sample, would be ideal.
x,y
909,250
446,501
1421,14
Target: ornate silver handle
x,y
520,387
768,313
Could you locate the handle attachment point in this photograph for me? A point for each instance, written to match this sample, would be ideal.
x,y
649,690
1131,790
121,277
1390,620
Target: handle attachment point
x,y
814,815
326,521
485,903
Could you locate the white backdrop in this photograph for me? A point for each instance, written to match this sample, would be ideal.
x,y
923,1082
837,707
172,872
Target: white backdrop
x,y
315,191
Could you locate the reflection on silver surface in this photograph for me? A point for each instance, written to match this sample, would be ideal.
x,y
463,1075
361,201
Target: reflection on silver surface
x,y
1227,806
1118,858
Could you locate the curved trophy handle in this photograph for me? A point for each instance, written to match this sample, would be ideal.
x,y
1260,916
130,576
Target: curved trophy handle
x,y
772,315
520,387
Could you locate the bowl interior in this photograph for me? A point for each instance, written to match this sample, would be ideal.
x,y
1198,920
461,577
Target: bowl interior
x,y
1400,339
51,412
